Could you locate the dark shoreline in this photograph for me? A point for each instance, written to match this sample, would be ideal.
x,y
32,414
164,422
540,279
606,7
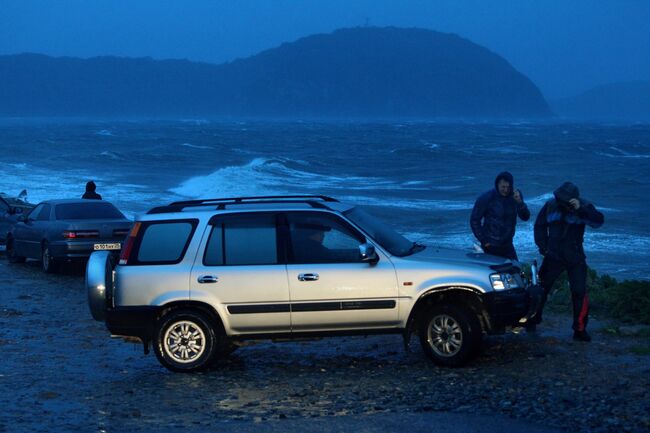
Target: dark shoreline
x,y
66,374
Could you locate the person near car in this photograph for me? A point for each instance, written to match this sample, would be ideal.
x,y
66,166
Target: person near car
x,y
90,193
559,234
494,217
308,244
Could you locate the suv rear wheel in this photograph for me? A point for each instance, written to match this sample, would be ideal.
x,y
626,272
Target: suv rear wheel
x,y
185,341
450,335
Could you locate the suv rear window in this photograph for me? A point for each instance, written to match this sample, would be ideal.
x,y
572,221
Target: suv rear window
x,y
165,242
87,211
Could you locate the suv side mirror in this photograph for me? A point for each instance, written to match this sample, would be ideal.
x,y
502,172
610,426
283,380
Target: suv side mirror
x,y
368,253
22,218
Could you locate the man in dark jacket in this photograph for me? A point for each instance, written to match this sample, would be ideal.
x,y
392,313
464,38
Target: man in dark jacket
x,y
559,234
495,214
90,191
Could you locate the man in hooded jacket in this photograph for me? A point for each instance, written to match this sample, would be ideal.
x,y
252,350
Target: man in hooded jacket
x,y
494,217
559,234
90,192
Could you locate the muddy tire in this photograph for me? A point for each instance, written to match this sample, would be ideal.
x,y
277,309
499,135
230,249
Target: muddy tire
x,y
185,341
450,335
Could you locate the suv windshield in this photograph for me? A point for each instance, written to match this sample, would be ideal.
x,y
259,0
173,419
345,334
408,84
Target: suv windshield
x,y
87,211
388,238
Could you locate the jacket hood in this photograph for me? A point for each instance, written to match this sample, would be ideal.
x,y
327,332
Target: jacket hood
x,y
566,192
507,176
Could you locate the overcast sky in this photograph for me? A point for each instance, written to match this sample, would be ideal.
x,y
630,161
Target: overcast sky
x,y
564,46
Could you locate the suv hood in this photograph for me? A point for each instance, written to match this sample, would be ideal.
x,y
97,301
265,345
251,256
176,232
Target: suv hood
x,y
454,256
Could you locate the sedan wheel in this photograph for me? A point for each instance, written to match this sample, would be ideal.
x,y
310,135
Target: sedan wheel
x,y
49,265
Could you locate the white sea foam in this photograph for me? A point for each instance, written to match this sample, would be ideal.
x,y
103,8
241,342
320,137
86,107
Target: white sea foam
x,y
195,146
540,200
619,153
43,184
196,121
620,244
264,176
104,133
447,205
112,155
430,145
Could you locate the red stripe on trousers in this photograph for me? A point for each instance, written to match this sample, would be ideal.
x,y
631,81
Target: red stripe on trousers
x,y
583,313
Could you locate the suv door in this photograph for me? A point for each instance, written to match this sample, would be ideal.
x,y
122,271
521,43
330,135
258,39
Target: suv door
x,y
241,267
331,288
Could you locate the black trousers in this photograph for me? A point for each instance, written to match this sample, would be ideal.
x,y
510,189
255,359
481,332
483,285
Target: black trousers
x,y
506,251
549,272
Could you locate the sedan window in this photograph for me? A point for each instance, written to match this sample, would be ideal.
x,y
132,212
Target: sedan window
x,y
35,212
44,214
87,211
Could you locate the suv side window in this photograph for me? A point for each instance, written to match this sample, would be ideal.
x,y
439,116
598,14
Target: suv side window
x,y
322,238
242,240
165,242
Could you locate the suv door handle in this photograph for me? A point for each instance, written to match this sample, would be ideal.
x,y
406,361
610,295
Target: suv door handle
x,y
308,277
207,279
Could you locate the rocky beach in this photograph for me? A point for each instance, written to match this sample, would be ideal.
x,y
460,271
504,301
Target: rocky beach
x,y
62,372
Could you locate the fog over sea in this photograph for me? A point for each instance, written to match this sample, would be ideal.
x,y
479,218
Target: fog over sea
x,y
423,177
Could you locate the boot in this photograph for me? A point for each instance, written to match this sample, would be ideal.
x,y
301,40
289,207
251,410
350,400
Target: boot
x,y
581,336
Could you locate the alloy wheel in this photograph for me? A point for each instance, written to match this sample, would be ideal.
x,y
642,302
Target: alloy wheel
x,y
445,335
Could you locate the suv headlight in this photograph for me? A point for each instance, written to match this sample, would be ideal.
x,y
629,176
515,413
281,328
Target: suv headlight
x,y
504,281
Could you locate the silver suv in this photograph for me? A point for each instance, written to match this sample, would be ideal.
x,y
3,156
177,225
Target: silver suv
x,y
195,278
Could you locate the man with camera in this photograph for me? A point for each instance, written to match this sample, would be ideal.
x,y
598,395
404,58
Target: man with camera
x,y
494,217
559,235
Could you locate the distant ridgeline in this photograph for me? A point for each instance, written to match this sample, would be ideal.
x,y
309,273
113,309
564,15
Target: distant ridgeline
x,y
358,72
628,101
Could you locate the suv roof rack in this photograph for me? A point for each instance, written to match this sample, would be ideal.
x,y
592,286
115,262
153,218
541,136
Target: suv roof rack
x,y
221,203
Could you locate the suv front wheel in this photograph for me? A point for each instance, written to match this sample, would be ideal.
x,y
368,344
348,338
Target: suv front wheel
x,y
184,341
449,335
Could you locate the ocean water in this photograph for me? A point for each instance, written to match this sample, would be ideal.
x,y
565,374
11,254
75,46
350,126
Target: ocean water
x,y
422,177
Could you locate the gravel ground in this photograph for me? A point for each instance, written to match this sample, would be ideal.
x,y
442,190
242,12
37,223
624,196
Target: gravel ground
x,y
60,371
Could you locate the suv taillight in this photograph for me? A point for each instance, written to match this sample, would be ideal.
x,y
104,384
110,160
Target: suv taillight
x,y
128,245
80,234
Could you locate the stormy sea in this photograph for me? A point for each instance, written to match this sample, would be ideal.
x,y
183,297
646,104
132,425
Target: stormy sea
x,y
422,177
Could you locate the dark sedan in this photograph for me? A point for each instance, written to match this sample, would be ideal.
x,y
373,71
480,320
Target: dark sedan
x,y
10,209
56,231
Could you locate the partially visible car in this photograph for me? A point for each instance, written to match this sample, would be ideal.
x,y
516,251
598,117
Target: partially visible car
x,y
58,231
10,209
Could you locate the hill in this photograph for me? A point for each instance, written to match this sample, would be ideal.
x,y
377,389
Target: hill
x,y
364,72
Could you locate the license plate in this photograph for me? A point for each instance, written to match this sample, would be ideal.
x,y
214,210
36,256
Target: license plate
x,y
115,246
